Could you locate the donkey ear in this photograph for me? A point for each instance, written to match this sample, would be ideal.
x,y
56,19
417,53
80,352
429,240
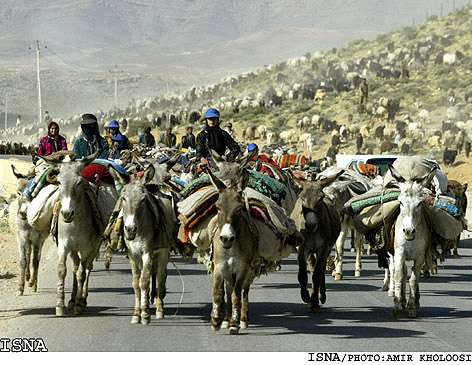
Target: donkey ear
x,y
217,183
89,159
464,187
117,175
243,179
258,165
149,172
216,156
395,174
325,182
426,180
172,162
246,159
17,174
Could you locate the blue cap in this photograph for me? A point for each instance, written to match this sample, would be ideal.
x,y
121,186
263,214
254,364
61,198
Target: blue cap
x,y
113,124
212,113
252,147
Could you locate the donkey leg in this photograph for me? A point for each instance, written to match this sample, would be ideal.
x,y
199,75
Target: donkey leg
x,y
162,260
403,292
79,305
455,244
317,271
234,324
359,248
399,278
88,266
322,292
144,282
136,318
75,266
245,308
36,259
338,259
23,265
61,275
414,300
217,295
303,276
228,290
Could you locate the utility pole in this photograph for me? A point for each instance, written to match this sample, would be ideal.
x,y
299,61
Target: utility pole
x,y
441,12
116,72
453,6
39,81
6,111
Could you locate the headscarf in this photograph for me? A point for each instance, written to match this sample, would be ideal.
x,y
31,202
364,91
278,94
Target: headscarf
x,y
148,136
51,124
215,137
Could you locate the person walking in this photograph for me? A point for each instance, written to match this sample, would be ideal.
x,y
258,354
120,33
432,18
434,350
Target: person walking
x,y
364,93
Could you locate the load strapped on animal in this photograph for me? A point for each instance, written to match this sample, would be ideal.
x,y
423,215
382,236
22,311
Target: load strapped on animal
x,y
408,217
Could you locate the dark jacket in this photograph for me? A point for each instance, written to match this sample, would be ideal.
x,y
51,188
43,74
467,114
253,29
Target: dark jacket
x,y
191,140
83,147
217,139
152,140
167,139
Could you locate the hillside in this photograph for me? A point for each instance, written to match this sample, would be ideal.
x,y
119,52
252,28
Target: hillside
x,y
417,49
166,46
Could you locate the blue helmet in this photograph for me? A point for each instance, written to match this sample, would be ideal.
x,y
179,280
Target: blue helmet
x,y
113,124
212,113
252,147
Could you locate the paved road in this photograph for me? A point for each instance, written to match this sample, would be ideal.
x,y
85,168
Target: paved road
x,y
356,317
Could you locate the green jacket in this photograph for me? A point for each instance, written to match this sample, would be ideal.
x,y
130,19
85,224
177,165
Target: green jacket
x,y
83,147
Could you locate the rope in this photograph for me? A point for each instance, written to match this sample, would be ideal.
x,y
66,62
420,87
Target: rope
x,y
183,288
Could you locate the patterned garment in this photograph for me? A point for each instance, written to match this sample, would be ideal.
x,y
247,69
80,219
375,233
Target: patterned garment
x,y
83,148
285,161
49,145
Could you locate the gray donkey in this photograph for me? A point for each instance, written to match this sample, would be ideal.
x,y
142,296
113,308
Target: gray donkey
x,y
83,212
149,227
318,220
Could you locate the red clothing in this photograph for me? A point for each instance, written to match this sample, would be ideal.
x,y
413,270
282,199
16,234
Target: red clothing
x,y
49,145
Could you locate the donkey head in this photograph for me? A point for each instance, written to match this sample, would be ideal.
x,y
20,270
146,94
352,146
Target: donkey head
x,y
312,197
410,199
23,181
231,203
134,196
71,184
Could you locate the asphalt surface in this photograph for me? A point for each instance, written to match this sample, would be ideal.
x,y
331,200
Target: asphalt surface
x,y
356,317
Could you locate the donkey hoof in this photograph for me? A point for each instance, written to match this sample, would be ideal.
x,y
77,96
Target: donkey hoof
x,y
19,293
225,324
338,276
384,287
79,309
244,324
234,330
135,319
391,293
71,304
145,320
215,328
397,312
456,256
30,283
412,312
60,311
159,315
357,274
353,249
305,296
315,309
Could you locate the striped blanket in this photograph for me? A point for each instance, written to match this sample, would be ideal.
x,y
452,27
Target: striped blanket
x,y
285,161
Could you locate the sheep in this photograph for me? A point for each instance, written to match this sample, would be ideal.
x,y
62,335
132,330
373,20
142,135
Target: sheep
x,y
449,58
320,94
261,131
434,142
288,135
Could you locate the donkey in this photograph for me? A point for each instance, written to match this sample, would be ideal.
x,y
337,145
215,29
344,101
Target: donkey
x,y
30,239
318,220
412,236
84,209
149,224
348,185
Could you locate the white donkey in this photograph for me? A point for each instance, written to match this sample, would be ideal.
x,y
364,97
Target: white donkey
x,y
83,215
30,235
412,238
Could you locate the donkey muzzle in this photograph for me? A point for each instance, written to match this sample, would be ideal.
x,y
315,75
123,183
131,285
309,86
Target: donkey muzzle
x,y
409,233
227,236
67,215
130,231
